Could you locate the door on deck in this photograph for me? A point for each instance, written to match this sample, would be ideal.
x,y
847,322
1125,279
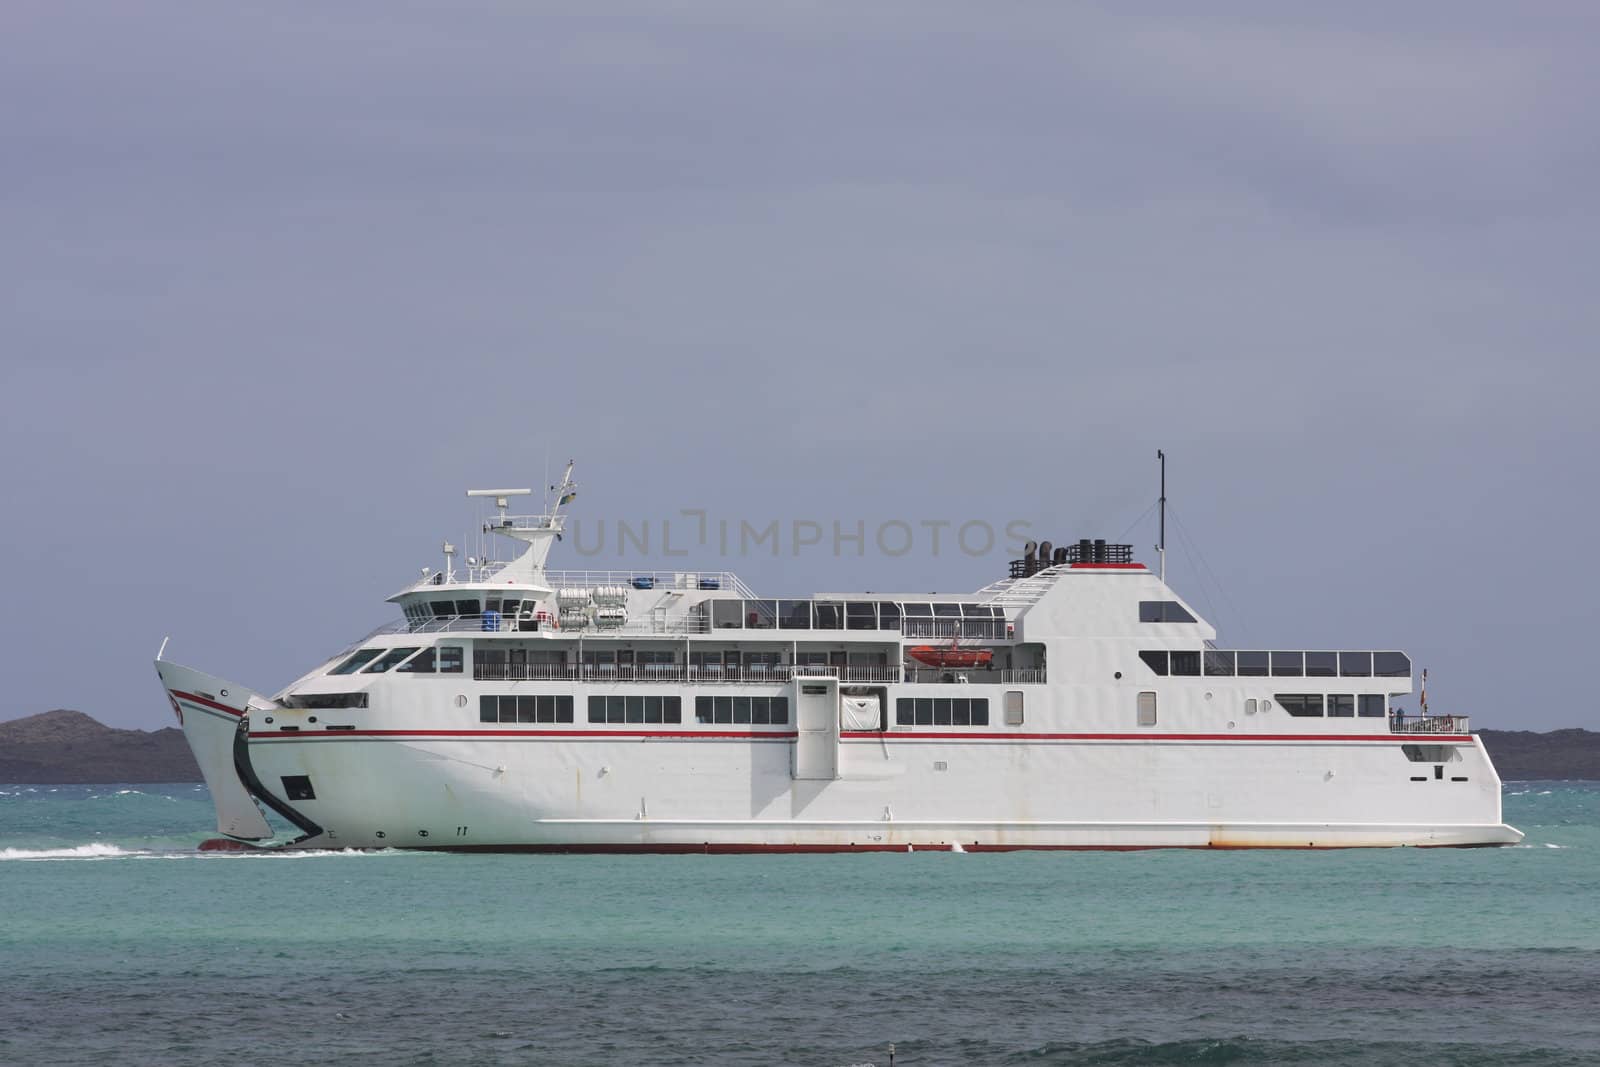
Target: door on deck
x,y
816,718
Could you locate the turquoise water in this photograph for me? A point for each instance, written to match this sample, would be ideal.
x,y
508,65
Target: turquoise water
x,y
120,944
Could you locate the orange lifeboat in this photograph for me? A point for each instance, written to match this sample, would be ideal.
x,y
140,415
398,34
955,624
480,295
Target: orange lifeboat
x,y
951,656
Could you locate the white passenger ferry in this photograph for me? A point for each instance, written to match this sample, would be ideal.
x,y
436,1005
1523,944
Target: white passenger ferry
x,y
1078,703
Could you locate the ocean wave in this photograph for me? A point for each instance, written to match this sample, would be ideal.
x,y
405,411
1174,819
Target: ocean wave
x,y
93,851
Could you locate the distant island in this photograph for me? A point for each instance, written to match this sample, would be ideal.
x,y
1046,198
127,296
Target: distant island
x,y
68,747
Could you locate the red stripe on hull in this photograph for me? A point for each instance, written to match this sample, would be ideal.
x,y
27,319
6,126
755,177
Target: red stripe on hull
x,y
203,702
684,735
853,735
857,735
749,849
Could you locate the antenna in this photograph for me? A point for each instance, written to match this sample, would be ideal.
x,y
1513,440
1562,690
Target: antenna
x,y
500,496
1161,548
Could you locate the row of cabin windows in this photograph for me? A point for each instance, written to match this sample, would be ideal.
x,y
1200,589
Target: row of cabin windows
x,y
943,711
1331,705
1219,663
554,708
757,711
728,614
635,709
1304,705
442,659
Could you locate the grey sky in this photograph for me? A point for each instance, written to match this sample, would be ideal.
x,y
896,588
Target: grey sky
x,y
278,282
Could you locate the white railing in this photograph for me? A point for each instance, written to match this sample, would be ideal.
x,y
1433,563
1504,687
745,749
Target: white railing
x,y
677,581
1428,724
974,629
947,675
638,626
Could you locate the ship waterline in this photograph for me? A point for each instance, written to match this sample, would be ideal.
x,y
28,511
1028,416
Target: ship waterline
x,y
520,709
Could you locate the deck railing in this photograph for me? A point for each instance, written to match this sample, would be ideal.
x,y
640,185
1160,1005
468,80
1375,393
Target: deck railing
x,y
1428,724
974,629
949,675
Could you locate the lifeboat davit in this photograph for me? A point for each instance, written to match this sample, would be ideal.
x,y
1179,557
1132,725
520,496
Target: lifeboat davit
x,y
949,656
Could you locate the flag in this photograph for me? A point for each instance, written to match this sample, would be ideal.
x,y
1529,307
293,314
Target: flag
x,y
566,498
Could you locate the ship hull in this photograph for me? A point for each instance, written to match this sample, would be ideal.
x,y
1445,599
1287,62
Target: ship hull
x,y
663,793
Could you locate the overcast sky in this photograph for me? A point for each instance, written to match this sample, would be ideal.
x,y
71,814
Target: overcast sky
x,y
279,281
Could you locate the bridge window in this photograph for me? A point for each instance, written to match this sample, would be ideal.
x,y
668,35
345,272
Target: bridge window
x,y
450,659
1391,665
1186,664
357,661
1252,664
761,614
1156,660
1371,705
794,614
1301,705
757,711
1341,706
1321,664
1163,611
389,659
1355,664
941,711
1288,664
636,709
727,614
421,663
1219,664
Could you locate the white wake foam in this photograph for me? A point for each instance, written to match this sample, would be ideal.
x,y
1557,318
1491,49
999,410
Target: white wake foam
x,y
95,851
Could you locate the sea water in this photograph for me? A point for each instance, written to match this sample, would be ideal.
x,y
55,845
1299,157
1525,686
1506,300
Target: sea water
x,y
120,944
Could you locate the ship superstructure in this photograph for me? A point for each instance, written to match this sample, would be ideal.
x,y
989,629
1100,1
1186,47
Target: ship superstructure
x,y
1076,703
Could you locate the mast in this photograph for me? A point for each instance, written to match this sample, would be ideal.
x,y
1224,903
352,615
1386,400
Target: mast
x,y
1161,548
